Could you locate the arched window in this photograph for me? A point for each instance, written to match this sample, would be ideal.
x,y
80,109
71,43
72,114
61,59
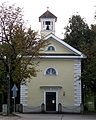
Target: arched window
x,y
47,25
51,71
51,48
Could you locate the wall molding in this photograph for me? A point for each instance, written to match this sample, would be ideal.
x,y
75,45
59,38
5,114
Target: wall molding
x,y
77,82
23,94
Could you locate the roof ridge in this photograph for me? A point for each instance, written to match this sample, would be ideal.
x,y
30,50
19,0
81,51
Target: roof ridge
x,y
48,14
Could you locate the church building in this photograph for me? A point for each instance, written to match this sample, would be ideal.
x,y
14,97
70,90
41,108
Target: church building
x,y
57,87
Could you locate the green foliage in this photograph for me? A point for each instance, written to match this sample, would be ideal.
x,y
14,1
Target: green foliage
x,y
2,77
77,32
18,46
83,38
89,73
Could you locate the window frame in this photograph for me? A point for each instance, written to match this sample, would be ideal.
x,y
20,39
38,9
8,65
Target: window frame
x,y
51,74
53,48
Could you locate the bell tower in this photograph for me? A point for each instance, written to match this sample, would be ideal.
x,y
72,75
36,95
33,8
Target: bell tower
x,y
47,20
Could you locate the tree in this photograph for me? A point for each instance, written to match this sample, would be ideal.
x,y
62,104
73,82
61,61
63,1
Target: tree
x,y
77,32
2,78
89,72
83,38
18,48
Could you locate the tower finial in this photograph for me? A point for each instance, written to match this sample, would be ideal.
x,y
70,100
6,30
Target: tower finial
x,y
47,8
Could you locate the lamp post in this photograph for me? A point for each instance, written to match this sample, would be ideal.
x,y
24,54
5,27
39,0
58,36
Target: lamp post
x,y
8,87
84,96
8,94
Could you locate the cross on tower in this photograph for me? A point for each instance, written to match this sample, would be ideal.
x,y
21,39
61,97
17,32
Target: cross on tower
x,y
47,8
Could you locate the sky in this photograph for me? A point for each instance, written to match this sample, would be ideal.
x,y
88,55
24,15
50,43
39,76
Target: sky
x,y
63,9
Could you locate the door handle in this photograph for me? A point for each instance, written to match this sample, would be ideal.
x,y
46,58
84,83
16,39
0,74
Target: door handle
x,y
53,101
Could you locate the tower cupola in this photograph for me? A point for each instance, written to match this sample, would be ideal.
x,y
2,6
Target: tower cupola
x,y
47,20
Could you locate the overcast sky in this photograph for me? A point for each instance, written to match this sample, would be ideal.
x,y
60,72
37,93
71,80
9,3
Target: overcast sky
x,y
63,9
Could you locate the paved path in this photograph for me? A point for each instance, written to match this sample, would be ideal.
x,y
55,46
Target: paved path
x,y
49,117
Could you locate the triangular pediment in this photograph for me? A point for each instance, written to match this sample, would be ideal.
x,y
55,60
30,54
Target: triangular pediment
x,y
61,48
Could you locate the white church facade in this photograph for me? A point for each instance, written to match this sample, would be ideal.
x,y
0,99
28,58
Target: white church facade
x,y
57,87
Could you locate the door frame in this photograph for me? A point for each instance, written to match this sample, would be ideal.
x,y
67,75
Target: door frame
x,y
56,98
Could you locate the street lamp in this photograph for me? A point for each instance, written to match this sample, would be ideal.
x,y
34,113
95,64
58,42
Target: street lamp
x,y
8,86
